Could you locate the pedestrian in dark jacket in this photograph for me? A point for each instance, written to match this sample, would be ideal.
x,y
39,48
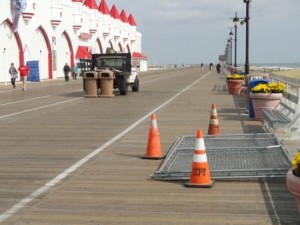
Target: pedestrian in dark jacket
x,y
67,70
218,68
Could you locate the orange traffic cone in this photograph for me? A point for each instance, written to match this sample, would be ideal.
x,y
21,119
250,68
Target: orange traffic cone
x,y
153,121
213,127
153,147
200,173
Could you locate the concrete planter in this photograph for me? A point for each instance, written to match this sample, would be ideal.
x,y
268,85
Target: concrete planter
x,y
234,86
293,184
264,101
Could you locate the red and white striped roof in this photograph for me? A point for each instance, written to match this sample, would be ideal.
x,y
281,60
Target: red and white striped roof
x,y
131,20
91,4
114,12
124,17
103,8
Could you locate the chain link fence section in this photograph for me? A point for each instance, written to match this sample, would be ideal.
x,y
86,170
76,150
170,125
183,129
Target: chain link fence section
x,y
245,156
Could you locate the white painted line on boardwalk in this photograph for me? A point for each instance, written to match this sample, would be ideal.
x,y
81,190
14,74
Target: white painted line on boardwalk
x,y
22,203
37,108
47,96
36,85
46,106
30,99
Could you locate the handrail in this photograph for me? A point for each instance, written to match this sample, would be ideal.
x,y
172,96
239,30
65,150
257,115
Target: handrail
x,y
285,79
292,84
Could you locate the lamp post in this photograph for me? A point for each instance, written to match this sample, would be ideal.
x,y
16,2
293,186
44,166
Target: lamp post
x,y
230,41
229,46
247,36
227,54
4,67
40,65
235,21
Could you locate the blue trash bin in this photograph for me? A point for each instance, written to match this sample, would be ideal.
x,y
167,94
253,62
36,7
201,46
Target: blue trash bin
x,y
34,74
252,84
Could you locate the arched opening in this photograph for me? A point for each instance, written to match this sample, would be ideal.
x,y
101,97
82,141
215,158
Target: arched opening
x,y
120,47
111,45
19,42
128,49
50,70
100,45
70,47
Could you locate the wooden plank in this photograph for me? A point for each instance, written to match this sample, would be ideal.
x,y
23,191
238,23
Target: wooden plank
x,y
114,187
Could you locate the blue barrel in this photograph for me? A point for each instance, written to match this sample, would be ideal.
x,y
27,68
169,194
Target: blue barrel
x,y
252,84
34,74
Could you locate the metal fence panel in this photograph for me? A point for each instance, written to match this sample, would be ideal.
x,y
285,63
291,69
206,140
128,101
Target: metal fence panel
x,y
229,157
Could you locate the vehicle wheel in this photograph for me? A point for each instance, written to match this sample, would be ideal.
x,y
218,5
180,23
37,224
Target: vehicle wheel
x,y
136,85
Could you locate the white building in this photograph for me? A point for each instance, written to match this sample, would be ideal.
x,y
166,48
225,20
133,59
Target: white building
x,y
55,32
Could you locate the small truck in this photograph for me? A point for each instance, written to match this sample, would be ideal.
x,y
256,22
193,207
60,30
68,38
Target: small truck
x,y
119,65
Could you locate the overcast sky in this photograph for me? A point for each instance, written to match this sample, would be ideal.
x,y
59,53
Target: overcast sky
x,y
195,31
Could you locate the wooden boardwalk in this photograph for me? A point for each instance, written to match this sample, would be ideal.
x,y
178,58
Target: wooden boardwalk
x,y
70,160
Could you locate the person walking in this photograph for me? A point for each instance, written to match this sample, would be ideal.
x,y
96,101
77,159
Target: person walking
x,y
211,66
13,75
202,66
75,72
67,70
218,67
24,73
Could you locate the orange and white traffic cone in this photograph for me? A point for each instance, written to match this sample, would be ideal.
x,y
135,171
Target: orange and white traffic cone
x,y
153,146
213,127
153,121
200,173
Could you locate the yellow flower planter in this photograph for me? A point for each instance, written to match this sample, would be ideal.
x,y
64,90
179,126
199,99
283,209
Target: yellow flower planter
x,y
234,86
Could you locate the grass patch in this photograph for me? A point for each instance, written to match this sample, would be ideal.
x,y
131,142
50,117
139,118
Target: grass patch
x,y
294,73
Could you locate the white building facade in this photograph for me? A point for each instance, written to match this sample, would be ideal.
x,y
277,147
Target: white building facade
x,y
55,32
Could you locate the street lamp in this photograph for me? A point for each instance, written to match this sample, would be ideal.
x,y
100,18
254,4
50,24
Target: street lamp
x,y
227,54
4,68
40,65
235,22
229,44
230,40
247,36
